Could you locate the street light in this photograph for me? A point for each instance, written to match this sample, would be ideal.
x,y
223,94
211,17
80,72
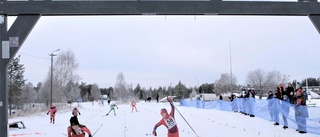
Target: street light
x,y
197,81
52,73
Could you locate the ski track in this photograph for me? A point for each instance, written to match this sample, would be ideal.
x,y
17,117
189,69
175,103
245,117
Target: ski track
x,y
205,122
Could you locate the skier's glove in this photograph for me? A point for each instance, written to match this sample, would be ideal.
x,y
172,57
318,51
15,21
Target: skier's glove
x,y
168,99
79,114
90,136
48,113
54,112
154,133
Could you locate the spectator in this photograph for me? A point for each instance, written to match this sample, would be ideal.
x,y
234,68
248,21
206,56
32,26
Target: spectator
x,y
301,111
276,103
285,106
270,99
290,92
157,98
220,97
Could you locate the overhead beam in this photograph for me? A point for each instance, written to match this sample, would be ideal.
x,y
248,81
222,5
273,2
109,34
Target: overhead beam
x,y
59,8
29,12
21,28
315,19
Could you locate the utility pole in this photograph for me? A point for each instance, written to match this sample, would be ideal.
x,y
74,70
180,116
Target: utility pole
x,y
52,74
230,70
197,82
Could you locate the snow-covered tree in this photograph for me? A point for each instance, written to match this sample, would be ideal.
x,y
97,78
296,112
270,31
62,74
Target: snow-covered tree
x,y
121,91
15,82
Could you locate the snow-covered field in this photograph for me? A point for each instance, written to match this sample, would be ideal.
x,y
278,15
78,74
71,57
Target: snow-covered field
x,y
204,122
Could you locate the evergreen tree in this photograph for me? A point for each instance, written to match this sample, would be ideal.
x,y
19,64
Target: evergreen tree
x,y
181,91
15,82
83,90
311,82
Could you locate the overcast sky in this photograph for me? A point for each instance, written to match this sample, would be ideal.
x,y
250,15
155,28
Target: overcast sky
x,y
159,50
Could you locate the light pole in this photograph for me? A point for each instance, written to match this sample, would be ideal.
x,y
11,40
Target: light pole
x,y
197,82
170,89
51,74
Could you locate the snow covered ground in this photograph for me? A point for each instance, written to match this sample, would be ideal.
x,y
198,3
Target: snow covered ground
x,y
205,122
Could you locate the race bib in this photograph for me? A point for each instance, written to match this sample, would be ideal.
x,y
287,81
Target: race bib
x,y
170,122
77,130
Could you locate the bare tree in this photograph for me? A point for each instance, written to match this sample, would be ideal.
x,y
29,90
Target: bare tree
x,y
30,95
72,91
257,79
121,91
263,81
65,68
193,93
64,72
45,91
223,84
273,79
95,92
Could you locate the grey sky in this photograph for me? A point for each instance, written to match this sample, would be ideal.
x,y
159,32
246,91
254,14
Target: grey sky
x,y
159,50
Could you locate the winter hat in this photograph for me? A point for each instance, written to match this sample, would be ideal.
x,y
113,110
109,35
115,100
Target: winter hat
x,y
163,111
74,121
285,96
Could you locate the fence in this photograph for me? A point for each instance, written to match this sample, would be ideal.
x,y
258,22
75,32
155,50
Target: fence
x,y
298,117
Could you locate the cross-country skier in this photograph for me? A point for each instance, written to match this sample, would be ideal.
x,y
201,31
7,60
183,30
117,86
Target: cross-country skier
x,y
112,108
75,112
168,121
76,129
133,105
52,112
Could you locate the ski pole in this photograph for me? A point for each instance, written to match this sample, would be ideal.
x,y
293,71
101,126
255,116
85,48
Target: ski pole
x,y
186,121
97,130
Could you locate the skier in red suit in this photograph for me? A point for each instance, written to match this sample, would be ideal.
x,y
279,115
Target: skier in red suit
x,y
52,111
168,121
133,105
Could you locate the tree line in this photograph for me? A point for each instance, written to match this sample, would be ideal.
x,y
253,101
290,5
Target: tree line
x,y
66,86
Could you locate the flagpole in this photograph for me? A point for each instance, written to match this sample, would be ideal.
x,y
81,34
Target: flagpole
x,y
230,68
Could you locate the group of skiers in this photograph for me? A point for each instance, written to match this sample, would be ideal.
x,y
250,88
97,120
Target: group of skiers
x,y
78,130
75,129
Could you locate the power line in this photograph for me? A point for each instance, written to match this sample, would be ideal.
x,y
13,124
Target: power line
x,y
33,56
